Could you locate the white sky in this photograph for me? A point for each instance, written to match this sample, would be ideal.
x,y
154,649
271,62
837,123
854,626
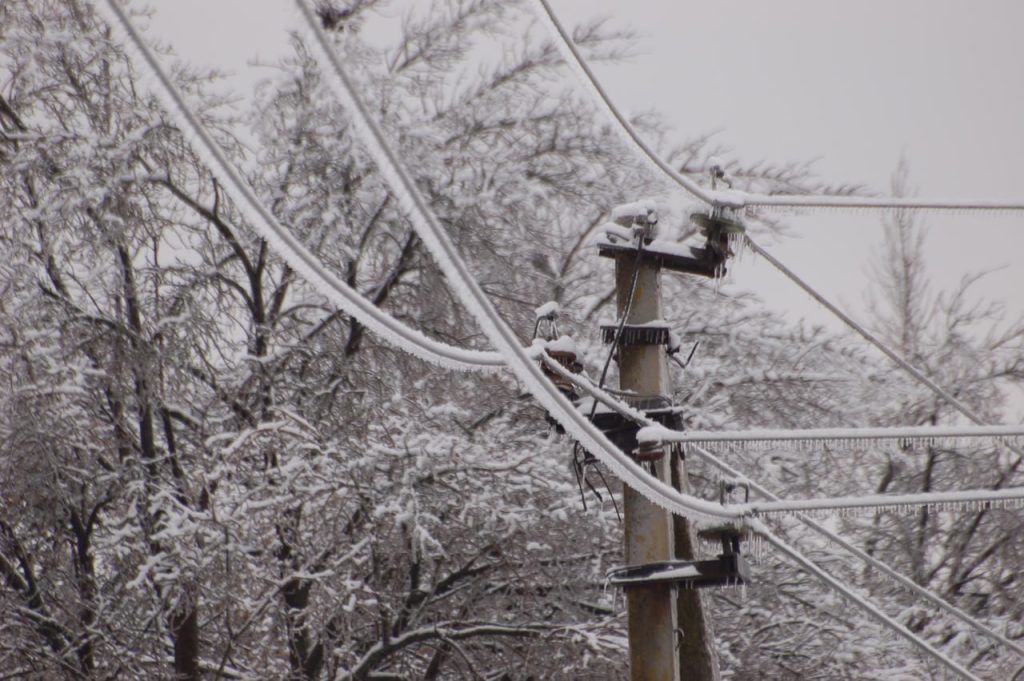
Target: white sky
x,y
853,84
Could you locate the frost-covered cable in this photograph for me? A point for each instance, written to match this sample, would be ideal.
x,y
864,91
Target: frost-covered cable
x,y
772,201
623,409
839,436
476,301
734,198
958,499
281,240
846,592
877,342
576,61
654,432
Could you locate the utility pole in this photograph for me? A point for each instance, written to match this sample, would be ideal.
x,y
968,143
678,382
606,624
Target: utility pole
x,y
669,633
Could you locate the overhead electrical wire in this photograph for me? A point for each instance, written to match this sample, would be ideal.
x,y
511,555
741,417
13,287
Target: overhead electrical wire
x,y
655,433
848,593
838,438
469,290
283,242
974,499
433,236
610,401
919,375
733,198
476,301
530,372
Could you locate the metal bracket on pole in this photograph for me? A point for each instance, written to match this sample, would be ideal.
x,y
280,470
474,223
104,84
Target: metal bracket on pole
x,y
730,568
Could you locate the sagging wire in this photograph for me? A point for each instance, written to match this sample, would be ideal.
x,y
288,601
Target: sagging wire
x,y
683,364
472,295
733,198
627,307
285,244
869,560
677,505
581,460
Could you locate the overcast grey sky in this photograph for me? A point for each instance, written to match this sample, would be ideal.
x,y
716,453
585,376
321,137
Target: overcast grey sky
x,y
852,84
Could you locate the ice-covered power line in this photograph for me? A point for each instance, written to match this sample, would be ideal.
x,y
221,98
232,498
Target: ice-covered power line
x,y
877,342
955,500
958,500
838,438
734,198
281,240
602,396
848,593
476,301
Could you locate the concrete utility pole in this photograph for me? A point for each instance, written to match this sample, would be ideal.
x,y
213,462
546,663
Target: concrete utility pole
x,y
669,634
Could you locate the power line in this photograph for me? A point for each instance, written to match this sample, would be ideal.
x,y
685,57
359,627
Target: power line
x,y
468,289
283,242
623,409
878,343
476,296
656,433
848,593
476,300
838,438
733,198
955,500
